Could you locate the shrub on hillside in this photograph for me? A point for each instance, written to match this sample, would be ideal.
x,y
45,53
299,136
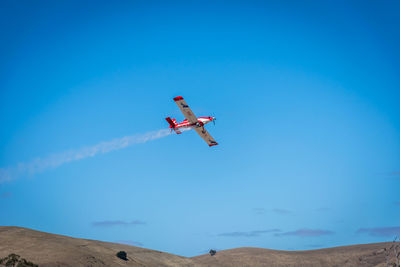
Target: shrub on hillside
x,y
122,255
14,260
212,252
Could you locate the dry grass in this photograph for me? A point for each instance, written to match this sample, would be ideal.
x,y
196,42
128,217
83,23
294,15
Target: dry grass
x,y
55,250
357,255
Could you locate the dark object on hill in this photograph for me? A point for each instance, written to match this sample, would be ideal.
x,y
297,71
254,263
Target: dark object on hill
x,y
212,252
122,255
16,260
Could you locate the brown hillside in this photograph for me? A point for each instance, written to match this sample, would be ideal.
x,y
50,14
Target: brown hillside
x,y
47,249
357,255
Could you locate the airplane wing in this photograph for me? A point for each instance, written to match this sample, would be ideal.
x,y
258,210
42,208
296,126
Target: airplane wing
x,y
187,112
206,136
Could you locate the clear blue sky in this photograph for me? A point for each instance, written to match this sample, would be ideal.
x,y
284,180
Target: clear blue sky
x,y
307,100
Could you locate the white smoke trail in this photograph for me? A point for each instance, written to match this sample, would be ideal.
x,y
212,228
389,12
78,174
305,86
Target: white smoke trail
x,y
52,161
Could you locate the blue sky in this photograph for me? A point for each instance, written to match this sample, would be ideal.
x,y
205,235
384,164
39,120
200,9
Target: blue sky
x,y
306,96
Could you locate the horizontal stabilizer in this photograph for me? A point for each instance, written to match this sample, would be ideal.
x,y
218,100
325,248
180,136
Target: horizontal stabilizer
x,y
171,123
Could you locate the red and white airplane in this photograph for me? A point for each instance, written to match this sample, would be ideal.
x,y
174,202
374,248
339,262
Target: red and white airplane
x,y
191,121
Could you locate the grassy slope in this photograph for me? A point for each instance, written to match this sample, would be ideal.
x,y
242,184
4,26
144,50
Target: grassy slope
x,y
357,255
55,250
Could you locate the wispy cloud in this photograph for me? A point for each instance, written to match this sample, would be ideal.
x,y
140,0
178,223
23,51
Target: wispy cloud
x,y
324,209
305,232
130,242
5,195
392,173
259,210
41,164
116,223
281,211
381,231
249,233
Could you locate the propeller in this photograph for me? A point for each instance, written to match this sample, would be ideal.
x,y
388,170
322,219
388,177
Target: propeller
x,y
214,119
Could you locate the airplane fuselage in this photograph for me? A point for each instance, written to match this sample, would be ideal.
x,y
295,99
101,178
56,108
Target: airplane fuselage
x,y
201,121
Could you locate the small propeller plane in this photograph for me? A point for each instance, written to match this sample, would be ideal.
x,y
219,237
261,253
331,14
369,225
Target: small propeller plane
x,y
191,121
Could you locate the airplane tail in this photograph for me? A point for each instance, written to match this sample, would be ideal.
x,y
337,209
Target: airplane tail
x,y
172,123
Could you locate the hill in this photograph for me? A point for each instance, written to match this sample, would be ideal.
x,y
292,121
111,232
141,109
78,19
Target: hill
x,y
356,255
47,249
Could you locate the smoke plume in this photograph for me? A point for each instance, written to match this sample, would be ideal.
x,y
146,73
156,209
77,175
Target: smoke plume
x,y
52,161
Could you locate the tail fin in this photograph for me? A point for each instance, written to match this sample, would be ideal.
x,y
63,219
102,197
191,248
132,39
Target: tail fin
x,y
172,123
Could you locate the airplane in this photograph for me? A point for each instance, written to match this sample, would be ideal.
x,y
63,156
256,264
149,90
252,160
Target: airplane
x,y
191,121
